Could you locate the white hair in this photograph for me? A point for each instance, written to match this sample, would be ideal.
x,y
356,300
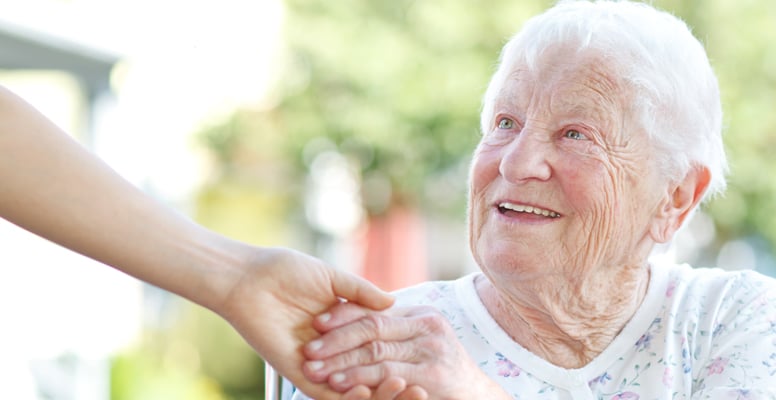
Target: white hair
x,y
677,100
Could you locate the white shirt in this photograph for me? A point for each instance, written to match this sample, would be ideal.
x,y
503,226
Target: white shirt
x,y
699,334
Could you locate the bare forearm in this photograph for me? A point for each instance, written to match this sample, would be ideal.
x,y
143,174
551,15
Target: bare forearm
x,y
54,187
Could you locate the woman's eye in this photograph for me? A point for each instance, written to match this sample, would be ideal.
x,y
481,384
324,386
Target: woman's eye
x,y
574,134
506,123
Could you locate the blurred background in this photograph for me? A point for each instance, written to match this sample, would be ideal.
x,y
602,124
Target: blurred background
x,y
340,128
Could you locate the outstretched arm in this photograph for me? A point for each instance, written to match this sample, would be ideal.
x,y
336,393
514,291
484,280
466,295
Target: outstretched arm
x,y
55,188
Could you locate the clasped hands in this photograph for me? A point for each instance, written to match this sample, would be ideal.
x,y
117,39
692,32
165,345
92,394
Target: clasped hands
x,y
396,354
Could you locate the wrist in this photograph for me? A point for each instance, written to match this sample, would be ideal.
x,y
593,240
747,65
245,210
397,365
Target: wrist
x,y
213,265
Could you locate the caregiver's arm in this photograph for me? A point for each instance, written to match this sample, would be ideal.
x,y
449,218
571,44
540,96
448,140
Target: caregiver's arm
x,y
52,186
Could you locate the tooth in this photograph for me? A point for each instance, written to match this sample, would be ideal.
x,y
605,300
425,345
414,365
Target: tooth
x,y
529,209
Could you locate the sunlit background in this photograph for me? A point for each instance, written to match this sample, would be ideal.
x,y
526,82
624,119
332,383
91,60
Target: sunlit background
x,y
341,128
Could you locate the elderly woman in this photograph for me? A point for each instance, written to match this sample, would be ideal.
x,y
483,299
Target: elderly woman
x,y
601,133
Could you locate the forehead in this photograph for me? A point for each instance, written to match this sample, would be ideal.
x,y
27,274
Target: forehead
x,y
566,81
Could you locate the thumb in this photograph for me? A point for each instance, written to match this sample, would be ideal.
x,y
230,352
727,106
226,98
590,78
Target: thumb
x,y
360,291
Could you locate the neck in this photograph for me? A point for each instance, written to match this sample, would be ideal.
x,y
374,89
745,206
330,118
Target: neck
x,y
570,323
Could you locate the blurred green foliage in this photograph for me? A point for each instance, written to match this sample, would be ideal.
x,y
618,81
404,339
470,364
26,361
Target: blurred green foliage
x,y
741,42
739,37
188,354
395,86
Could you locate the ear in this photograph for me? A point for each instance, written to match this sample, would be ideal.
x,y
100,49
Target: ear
x,y
679,202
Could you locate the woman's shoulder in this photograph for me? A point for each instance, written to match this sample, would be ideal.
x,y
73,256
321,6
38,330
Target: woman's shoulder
x,y
717,279
719,291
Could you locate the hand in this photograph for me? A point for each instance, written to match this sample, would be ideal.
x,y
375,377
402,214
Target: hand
x,y
360,347
274,303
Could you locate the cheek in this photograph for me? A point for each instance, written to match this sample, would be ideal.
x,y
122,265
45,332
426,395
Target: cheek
x,y
484,170
587,184
608,209
590,188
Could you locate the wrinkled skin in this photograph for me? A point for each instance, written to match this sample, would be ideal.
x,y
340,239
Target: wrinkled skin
x,y
274,304
561,140
363,347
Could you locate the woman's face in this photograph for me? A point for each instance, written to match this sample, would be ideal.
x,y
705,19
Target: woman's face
x,y
562,183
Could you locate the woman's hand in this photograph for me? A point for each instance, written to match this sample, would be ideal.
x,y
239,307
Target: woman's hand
x,y
275,302
363,348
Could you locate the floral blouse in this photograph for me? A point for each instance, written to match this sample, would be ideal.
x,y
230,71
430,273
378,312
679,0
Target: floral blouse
x,y
699,334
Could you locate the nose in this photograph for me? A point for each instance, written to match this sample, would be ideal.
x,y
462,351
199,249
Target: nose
x,y
526,158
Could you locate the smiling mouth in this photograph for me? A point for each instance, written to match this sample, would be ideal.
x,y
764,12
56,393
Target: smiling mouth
x,y
506,207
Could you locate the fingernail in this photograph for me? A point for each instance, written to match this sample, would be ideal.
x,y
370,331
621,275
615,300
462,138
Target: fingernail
x,y
324,318
315,345
315,365
338,377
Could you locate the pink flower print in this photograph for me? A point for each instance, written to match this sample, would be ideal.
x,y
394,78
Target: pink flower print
x,y
625,396
433,295
718,365
670,289
668,377
761,301
506,368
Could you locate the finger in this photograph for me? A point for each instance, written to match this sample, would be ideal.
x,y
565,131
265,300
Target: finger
x,y
344,313
339,315
321,392
360,291
359,392
390,388
413,392
372,327
368,375
370,353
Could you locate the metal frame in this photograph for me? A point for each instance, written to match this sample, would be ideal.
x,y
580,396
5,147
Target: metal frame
x,y
272,383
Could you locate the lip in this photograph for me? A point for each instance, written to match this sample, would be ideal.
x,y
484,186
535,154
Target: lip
x,y
524,210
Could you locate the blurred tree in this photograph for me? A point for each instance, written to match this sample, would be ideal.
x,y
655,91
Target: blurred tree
x,y
739,37
395,86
